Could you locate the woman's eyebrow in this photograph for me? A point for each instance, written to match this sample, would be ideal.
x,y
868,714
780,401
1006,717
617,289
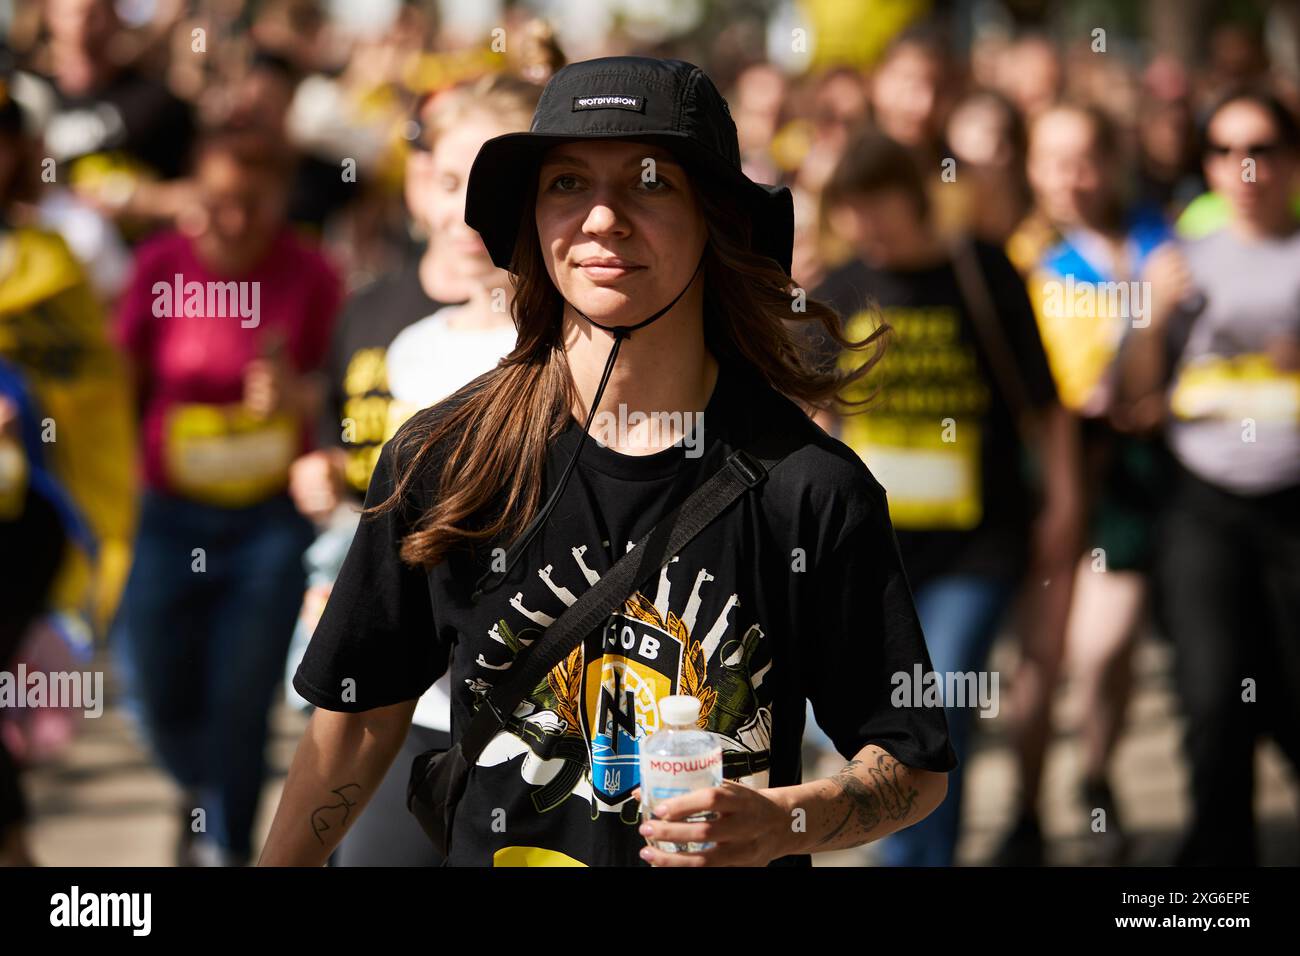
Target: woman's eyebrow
x,y
565,159
568,159
658,155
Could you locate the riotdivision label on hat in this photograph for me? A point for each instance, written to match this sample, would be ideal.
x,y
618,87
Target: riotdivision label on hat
x,y
609,101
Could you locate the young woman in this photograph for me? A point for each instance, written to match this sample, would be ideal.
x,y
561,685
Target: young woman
x,y
1082,239
625,209
1218,370
225,378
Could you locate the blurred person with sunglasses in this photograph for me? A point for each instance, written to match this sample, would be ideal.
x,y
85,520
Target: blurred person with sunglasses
x,y
1218,372
225,326
403,343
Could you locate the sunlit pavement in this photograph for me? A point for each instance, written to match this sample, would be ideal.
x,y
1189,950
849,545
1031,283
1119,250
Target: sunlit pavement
x,y
104,804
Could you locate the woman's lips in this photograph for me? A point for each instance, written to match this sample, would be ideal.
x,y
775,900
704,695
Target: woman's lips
x,y
608,269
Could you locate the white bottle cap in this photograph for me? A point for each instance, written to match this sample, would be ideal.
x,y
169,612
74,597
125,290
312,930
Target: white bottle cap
x,y
679,710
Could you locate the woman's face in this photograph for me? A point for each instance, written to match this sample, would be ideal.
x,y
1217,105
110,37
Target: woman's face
x,y
1242,131
883,226
242,209
978,134
906,96
1071,181
440,194
621,235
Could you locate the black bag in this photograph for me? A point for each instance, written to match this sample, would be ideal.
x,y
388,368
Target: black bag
x,y
438,777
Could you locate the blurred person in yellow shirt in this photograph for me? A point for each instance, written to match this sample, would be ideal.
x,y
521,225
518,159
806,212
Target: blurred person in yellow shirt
x,y
54,329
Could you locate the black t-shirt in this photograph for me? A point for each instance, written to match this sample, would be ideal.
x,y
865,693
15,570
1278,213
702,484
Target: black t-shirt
x,y
357,401
942,437
795,592
132,114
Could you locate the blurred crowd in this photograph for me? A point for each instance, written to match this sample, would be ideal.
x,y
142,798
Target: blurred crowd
x,y
233,261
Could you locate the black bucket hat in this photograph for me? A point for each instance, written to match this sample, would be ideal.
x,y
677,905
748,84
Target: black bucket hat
x,y
670,103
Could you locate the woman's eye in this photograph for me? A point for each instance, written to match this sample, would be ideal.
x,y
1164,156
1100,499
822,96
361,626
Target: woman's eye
x,y
655,185
564,184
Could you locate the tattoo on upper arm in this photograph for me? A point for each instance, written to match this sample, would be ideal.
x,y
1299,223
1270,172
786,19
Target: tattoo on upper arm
x,y
334,816
883,796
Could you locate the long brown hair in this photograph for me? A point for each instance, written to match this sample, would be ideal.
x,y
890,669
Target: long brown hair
x,y
491,438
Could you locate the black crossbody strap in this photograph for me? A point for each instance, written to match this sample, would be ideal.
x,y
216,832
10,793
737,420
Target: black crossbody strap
x,y
974,290
739,473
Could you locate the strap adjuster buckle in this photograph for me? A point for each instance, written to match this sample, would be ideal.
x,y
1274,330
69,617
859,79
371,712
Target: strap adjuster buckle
x,y
746,467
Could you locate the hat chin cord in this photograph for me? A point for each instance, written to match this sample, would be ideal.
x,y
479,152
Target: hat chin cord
x,y
620,333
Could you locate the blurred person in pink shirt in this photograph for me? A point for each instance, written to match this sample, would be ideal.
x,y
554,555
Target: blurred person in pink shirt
x,y
225,324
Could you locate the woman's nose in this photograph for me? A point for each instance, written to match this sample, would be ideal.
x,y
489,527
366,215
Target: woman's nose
x,y
604,218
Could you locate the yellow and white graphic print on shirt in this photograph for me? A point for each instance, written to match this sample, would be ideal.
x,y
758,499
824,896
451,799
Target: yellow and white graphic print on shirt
x,y
223,455
55,330
1081,334
365,414
1235,388
922,440
581,734
432,358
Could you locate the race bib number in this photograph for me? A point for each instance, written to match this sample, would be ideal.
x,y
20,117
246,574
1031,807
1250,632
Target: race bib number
x,y
221,455
932,474
1244,386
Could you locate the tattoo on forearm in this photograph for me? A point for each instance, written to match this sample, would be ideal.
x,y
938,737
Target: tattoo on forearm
x,y
334,816
883,796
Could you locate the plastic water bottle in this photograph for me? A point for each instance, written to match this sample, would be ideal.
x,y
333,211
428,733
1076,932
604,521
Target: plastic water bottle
x,y
677,759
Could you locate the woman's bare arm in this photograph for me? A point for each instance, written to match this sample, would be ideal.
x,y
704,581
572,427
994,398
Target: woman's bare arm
x,y
872,797
1142,363
336,769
